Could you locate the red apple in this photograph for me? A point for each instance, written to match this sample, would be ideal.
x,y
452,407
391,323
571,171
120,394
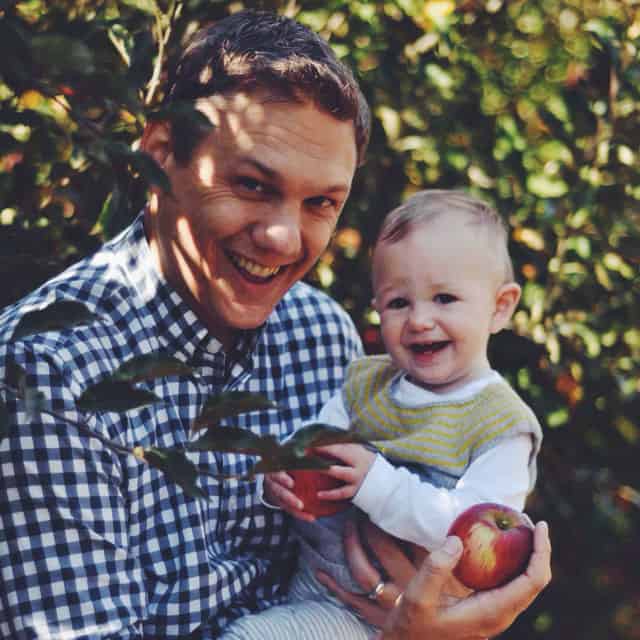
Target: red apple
x,y
307,484
497,541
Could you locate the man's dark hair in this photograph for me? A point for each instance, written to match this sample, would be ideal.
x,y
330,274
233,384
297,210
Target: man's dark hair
x,y
260,50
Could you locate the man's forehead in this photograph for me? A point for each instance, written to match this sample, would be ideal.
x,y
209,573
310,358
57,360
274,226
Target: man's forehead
x,y
239,104
277,127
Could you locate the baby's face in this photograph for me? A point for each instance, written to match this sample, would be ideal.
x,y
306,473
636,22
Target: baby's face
x,y
436,291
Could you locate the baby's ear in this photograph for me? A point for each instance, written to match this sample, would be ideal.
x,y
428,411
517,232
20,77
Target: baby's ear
x,y
507,299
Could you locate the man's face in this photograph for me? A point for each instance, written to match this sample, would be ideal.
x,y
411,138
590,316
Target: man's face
x,y
253,209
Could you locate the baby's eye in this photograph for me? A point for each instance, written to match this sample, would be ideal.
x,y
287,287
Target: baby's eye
x,y
444,298
397,303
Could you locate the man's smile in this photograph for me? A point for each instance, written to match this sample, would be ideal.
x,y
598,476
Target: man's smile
x,y
257,272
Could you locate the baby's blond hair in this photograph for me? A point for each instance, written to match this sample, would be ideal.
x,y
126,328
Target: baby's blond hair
x,y
426,205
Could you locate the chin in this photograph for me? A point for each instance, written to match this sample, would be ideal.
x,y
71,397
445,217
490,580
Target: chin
x,y
248,321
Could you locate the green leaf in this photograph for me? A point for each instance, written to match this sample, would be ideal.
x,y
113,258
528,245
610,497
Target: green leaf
x,y
63,53
288,461
114,395
139,161
555,125
630,248
34,401
230,403
115,212
147,6
546,186
4,420
58,316
177,467
16,377
318,434
235,440
153,365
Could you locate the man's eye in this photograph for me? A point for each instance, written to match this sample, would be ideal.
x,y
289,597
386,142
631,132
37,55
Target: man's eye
x,y
397,303
321,202
445,298
251,184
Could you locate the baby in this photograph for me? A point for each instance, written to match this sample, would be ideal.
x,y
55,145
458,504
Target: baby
x,y
448,430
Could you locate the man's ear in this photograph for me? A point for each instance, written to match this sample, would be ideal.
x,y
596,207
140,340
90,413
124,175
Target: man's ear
x,y
156,141
507,299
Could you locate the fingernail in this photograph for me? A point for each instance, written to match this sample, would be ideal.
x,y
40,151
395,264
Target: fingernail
x,y
452,546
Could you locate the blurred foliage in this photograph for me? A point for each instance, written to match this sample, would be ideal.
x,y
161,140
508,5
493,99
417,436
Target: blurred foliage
x,y
533,105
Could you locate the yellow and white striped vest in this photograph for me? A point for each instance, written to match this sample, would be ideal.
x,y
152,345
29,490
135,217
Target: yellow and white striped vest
x,y
446,435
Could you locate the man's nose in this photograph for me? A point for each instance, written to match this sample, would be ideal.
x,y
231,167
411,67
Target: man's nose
x,y
279,231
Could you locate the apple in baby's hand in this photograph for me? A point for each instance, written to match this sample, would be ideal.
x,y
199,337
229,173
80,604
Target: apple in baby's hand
x,y
308,482
497,543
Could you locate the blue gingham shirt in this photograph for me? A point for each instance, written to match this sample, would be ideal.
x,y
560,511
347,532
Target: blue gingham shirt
x,y
95,544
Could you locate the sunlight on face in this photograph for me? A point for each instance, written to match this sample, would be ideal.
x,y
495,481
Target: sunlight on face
x,y
232,115
206,171
188,251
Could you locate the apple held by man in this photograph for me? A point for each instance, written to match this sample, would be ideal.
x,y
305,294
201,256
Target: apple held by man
x,y
497,544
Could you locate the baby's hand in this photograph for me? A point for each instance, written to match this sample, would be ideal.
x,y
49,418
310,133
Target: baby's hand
x,y
277,491
355,460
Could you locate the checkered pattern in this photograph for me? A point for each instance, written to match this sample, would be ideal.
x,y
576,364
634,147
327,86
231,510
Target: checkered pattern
x,y
99,545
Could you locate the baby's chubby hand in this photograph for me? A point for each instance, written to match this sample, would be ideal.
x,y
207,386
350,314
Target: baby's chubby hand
x,y
278,492
356,461
353,464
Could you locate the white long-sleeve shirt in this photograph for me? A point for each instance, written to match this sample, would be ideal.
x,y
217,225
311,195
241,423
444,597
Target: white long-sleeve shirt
x,y
405,505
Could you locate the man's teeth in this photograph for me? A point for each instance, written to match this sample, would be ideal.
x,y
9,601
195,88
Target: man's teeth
x,y
254,268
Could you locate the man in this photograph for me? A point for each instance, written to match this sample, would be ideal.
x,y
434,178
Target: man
x,y
99,545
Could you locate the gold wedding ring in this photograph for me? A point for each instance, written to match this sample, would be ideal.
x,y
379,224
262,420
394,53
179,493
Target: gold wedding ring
x,y
376,591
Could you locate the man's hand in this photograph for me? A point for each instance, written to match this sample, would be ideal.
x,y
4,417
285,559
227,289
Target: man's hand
x,y
433,604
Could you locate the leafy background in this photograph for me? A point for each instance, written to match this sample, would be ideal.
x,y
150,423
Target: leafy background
x,y
533,105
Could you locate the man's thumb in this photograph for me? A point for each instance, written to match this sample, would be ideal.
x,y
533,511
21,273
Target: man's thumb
x,y
447,555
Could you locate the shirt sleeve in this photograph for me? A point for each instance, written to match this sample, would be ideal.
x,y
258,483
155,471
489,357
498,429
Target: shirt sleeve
x,y
404,505
65,568
334,412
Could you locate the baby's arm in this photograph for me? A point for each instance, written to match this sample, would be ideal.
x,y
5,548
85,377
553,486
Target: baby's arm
x,y
406,506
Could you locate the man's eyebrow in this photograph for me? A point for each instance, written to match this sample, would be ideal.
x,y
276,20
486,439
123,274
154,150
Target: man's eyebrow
x,y
268,172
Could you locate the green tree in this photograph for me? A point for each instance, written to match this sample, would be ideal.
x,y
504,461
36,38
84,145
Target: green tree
x,y
532,105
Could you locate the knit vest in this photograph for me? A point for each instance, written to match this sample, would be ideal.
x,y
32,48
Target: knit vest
x,y
446,436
